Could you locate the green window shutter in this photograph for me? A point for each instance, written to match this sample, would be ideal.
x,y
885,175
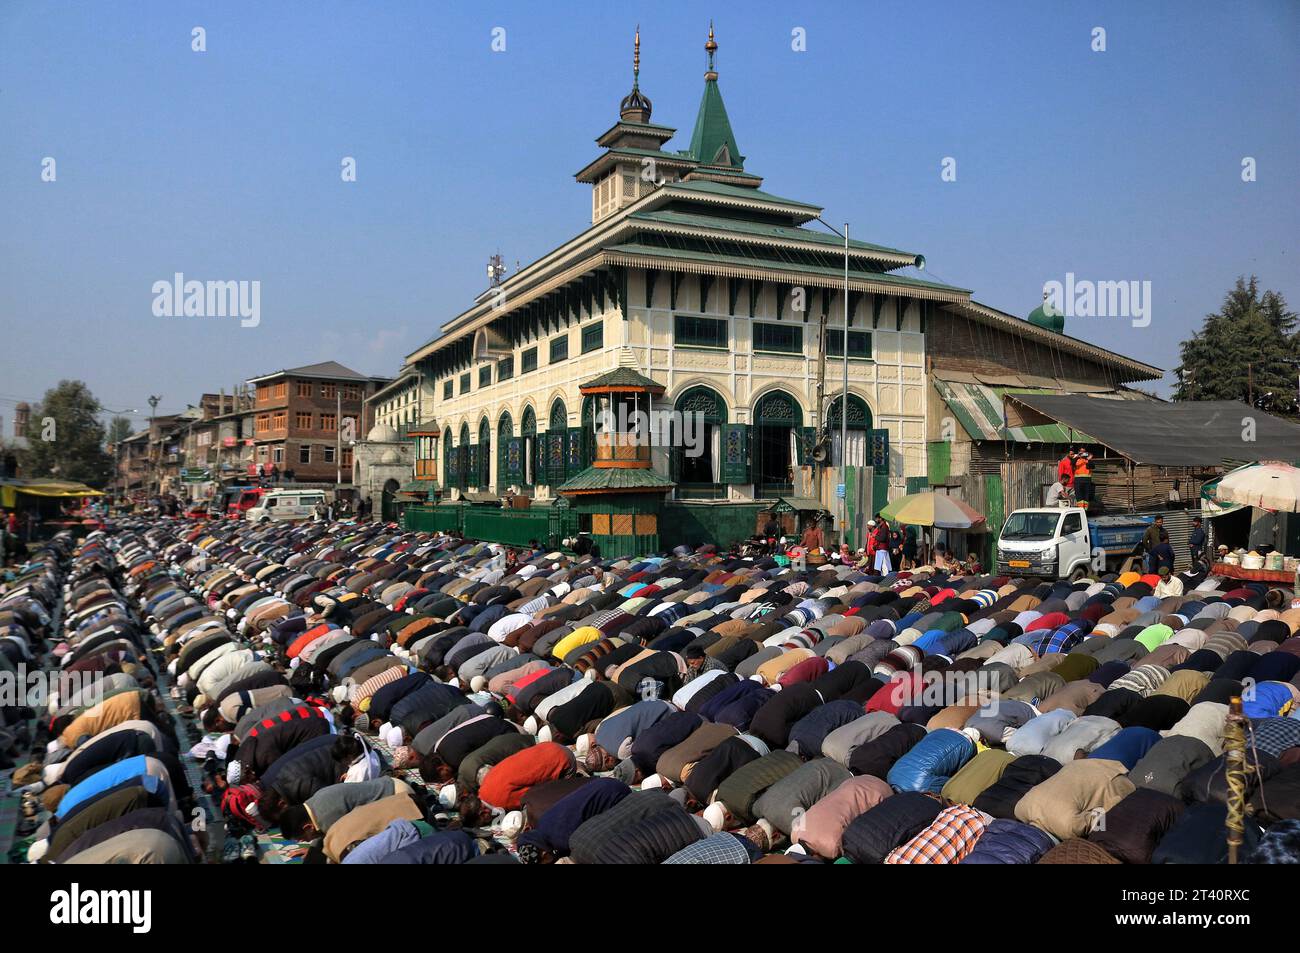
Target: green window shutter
x,y
879,451
471,474
555,457
514,462
574,450
735,453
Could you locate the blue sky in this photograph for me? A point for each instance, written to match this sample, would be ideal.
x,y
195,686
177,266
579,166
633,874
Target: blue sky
x,y
1119,165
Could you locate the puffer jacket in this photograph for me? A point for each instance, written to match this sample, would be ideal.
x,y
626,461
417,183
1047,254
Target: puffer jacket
x,y
931,762
651,840
1009,842
894,821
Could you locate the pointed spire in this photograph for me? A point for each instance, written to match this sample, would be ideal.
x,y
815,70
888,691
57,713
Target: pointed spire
x,y
713,143
636,105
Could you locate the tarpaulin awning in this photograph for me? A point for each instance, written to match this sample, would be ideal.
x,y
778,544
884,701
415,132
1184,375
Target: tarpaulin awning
x,y
978,408
57,489
1181,434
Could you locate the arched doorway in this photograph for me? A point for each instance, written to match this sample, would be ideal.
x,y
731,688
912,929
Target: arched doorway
x,y
528,432
697,467
388,505
484,475
507,453
556,444
859,425
777,424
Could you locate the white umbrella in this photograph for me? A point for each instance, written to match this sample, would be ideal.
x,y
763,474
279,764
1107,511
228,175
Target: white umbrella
x,y
1269,486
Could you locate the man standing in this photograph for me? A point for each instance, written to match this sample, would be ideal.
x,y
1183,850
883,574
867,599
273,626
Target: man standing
x,y
1196,541
1065,469
1082,485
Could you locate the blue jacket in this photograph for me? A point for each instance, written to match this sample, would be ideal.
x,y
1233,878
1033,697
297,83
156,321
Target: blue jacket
x,y
931,762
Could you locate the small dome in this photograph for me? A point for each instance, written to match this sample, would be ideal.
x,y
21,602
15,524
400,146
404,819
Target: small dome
x,y
1047,317
382,433
635,107
390,457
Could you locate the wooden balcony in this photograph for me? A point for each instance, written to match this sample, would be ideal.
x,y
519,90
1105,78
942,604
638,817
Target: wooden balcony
x,y
621,450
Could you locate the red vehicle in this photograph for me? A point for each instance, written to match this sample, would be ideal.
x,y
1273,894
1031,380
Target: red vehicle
x,y
246,500
197,510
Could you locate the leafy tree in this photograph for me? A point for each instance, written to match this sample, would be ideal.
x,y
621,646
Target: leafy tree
x,y
65,439
1248,350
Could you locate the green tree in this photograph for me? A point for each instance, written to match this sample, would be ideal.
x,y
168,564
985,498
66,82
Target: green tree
x,y
65,439
119,428
1249,350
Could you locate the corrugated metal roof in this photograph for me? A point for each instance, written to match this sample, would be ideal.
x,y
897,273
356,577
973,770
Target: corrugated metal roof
x,y
978,407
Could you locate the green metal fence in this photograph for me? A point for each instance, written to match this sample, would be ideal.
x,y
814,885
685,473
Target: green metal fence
x,y
546,524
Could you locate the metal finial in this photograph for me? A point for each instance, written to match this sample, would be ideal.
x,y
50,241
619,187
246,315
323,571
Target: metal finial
x,y
636,57
711,47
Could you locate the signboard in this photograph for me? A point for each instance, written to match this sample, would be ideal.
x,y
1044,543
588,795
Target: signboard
x,y
195,475
227,441
839,491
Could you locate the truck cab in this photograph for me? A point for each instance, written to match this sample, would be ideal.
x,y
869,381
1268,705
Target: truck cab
x,y
1062,543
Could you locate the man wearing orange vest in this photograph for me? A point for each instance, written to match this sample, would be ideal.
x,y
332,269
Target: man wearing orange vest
x,y
1083,488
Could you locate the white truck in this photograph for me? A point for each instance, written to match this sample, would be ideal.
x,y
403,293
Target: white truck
x,y
1063,543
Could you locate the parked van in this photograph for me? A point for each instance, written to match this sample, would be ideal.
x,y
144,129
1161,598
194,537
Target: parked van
x,y
286,505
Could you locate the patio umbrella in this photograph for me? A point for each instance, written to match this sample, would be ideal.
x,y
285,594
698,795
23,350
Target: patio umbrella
x,y
1269,486
933,509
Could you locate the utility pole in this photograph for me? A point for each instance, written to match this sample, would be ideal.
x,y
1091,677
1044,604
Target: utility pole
x,y
154,399
1250,384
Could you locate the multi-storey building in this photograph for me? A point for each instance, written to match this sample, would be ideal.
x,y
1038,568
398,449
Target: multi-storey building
x,y
305,419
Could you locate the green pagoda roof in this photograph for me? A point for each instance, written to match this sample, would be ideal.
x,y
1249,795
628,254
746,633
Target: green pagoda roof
x,y
622,377
616,480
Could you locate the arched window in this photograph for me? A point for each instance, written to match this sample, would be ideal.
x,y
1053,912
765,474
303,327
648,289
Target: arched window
x,y
484,475
859,425
528,431
778,422
448,460
696,441
464,455
507,453
557,444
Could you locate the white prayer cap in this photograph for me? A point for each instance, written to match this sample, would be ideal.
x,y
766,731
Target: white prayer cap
x,y
583,745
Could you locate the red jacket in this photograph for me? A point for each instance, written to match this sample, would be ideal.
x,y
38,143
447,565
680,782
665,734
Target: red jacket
x,y
508,781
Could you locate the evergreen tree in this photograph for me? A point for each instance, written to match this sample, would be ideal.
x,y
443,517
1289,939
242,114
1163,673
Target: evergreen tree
x,y
1249,350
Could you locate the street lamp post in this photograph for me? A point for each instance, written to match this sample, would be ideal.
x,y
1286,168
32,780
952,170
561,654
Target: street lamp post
x,y
117,450
844,391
